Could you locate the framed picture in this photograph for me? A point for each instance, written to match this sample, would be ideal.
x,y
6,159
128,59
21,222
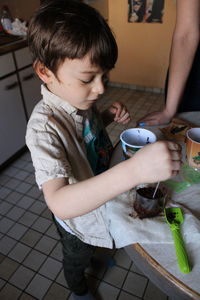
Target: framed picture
x,y
145,11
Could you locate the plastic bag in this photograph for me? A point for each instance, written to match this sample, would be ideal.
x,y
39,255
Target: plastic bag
x,y
187,177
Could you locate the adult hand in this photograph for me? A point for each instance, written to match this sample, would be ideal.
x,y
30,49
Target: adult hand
x,y
155,118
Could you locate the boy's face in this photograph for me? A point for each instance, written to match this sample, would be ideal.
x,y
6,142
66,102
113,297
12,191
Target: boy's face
x,y
79,82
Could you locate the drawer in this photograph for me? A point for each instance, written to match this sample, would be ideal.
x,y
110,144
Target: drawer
x,y
31,86
12,118
6,64
23,57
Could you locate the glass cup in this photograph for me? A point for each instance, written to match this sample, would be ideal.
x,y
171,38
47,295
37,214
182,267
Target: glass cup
x,y
145,203
133,139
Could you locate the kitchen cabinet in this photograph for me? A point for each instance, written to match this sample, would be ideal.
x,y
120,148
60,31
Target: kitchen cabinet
x,y
12,118
19,93
7,64
30,84
23,57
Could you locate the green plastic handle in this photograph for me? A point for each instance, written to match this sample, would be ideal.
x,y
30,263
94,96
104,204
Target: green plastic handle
x,y
181,253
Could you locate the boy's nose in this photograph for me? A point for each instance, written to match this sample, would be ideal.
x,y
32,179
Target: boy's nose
x,y
98,87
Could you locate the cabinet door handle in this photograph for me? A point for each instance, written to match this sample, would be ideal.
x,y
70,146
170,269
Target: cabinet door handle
x,y
11,86
28,77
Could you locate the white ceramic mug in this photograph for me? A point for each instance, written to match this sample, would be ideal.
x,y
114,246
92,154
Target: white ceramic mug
x,y
133,139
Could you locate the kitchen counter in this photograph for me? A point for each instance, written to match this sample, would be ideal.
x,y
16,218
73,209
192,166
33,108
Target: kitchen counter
x,y
13,45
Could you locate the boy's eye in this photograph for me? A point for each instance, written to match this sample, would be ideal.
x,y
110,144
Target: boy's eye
x,y
104,79
87,81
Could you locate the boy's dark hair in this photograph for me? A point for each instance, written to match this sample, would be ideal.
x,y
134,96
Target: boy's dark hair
x,y
62,29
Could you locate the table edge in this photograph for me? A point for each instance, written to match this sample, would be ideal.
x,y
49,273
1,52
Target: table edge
x,y
179,284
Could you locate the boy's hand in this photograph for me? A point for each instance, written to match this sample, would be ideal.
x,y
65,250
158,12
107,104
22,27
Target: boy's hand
x,y
157,162
120,112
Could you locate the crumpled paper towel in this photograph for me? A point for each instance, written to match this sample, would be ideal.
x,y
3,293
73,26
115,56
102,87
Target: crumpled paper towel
x,y
127,230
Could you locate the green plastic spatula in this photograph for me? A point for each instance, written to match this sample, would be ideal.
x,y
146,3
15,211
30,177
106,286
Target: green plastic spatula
x,y
174,218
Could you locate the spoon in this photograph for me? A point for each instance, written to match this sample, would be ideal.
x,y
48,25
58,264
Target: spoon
x,y
156,188
174,218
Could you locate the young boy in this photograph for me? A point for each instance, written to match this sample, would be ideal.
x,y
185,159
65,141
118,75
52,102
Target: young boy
x,y
73,50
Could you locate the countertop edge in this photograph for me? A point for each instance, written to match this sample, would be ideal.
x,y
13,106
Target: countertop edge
x,y
13,46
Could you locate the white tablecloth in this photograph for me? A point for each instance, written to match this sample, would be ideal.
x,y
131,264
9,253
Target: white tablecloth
x,y
127,230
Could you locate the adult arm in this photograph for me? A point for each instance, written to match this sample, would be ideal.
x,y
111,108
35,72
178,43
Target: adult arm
x,y
184,45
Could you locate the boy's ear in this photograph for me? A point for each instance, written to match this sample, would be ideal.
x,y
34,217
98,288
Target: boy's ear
x,y
43,72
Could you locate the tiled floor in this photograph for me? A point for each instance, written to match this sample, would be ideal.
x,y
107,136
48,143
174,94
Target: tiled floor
x,y
30,254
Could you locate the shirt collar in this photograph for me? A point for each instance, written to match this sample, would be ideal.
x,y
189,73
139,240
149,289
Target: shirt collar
x,y
56,101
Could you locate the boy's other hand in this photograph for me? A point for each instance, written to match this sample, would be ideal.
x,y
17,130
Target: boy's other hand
x,y
120,112
157,162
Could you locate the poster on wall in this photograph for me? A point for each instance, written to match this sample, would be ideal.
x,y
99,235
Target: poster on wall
x,y
145,11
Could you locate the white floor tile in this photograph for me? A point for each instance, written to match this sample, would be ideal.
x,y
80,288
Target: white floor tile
x,y
107,291
135,284
115,276
122,259
38,286
152,292
125,296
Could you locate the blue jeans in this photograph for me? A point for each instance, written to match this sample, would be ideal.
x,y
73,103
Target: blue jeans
x,y
76,258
